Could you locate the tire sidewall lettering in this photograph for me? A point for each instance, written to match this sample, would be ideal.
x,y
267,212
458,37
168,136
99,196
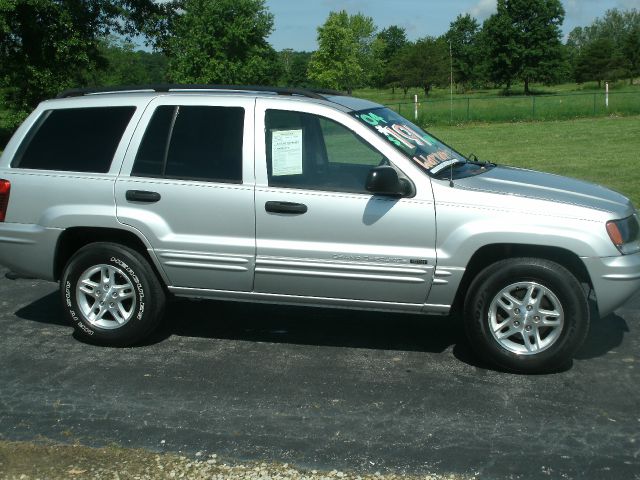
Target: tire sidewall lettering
x,y
138,285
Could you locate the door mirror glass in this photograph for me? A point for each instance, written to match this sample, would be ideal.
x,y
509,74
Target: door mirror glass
x,y
384,180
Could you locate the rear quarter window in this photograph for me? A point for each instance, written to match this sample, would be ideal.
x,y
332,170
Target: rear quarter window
x,y
74,139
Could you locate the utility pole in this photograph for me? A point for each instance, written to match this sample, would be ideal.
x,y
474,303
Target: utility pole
x,y
451,81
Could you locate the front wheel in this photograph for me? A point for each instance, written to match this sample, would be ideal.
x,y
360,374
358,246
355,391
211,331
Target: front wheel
x,y
111,294
526,315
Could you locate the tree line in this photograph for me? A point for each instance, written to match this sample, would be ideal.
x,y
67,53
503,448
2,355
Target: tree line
x,y
49,45
521,42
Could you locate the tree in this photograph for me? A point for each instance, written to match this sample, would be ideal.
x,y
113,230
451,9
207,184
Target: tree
x,y
596,61
294,68
122,65
220,41
49,45
619,32
631,52
395,39
463,35
391,42
522,40
423,64
344,59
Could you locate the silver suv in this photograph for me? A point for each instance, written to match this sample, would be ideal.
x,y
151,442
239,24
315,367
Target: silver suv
x,y
308,198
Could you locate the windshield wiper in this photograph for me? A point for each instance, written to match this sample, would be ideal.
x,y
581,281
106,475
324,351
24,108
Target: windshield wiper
x,y
447,163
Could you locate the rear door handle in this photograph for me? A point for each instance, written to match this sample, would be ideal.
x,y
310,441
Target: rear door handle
x,y
142,196
286,207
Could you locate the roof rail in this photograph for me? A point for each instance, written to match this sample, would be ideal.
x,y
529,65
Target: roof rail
x,y
310,93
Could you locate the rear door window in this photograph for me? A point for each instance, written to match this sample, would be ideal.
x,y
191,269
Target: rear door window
x,y
193,142
74,139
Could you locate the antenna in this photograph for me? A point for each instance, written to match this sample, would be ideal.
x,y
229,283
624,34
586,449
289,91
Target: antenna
x,y
451,81
451,175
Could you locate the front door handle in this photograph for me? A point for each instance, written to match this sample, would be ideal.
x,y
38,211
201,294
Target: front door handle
x,y
286,207
142,196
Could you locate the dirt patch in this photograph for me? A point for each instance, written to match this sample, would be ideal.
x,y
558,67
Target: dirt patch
x,y
29,461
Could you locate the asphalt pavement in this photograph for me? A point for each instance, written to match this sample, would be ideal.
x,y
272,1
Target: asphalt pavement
x,y
320,389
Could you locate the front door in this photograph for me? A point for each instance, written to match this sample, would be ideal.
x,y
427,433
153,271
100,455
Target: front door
x,y
319,233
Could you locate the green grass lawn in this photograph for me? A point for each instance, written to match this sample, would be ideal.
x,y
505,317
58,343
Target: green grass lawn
x,y
602,150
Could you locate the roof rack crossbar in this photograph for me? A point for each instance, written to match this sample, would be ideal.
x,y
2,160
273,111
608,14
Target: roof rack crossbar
x,y
310,93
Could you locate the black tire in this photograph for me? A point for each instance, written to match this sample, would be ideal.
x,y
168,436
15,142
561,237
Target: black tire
x,y
124,309
548,284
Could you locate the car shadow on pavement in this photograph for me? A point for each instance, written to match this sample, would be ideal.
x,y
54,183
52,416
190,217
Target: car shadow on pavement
x,y
605,334
309,326
324,327
44,310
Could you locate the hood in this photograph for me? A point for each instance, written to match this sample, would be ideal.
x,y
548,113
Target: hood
x,y
546,186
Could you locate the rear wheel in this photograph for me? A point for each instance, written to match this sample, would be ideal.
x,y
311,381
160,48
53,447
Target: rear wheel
x,y
111,294
526,315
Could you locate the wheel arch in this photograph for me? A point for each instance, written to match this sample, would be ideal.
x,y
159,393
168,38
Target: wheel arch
x,y
74,238
489,254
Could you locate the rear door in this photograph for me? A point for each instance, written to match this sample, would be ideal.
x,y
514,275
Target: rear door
x,y
190,189
320,234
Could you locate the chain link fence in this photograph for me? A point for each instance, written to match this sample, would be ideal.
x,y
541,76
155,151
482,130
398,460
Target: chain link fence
x,y
519,108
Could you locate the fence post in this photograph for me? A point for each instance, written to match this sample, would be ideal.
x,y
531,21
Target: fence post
x,y
594,103
468,101
533,108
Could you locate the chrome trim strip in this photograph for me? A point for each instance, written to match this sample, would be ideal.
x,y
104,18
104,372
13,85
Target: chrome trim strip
x,y
208,266
339,266
444,272
622,276
21,241
204,257
440,272
315,273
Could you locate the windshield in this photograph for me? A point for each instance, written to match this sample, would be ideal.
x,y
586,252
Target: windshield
x,y
427,151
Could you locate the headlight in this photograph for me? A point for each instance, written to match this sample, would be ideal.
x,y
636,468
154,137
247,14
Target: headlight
x,y
625,234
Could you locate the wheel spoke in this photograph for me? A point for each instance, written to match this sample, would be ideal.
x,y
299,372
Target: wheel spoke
x,y
508,301
119,314
533,297
554,321
87,290
123,291
509,333
88,286
99,315
531,340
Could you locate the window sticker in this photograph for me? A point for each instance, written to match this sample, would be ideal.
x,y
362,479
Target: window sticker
x,y
421,147
286,152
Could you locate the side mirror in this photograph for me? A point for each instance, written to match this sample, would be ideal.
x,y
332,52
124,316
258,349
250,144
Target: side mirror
x,y
384,180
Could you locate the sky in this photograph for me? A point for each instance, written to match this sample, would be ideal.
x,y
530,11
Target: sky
x,y
296,21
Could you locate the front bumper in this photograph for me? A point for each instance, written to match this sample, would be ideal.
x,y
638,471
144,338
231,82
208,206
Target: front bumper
x,y
614,279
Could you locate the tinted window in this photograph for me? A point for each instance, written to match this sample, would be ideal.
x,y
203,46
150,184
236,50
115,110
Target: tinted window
x,y
203,143
312,152
74,139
